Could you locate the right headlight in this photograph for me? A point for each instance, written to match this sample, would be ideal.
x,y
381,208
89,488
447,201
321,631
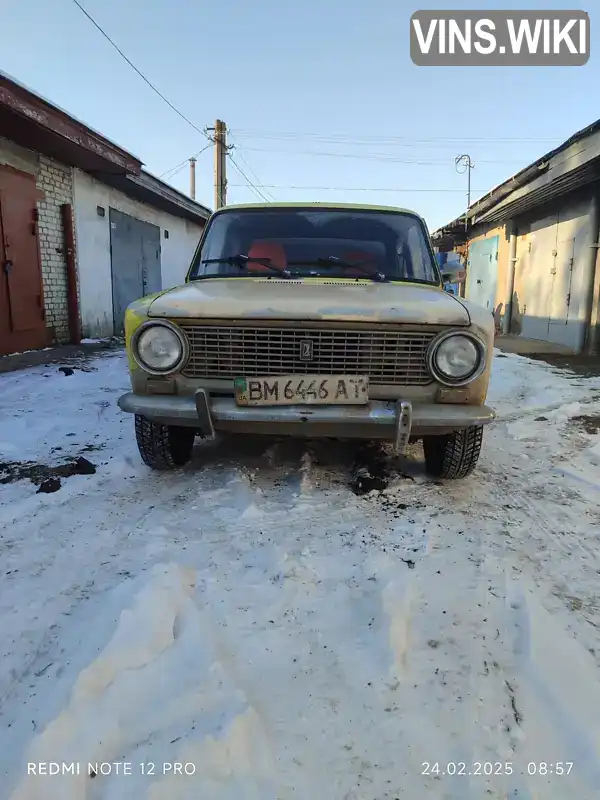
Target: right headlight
x,y
159,347
456,358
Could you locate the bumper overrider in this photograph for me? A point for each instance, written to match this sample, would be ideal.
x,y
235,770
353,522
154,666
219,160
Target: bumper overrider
x,y
395,421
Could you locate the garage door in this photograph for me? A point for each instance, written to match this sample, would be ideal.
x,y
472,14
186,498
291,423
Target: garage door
x,y
533,285
482,272
22,317
569,279
550,278
135,262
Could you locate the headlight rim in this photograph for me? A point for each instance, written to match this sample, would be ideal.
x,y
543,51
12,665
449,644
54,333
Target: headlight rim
x,y
154,323
476,373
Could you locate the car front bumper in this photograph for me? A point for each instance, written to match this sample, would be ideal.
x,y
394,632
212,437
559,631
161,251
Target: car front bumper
x,y
397,422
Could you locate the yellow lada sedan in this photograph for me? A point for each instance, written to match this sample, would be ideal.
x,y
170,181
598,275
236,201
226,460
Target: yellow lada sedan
x,y
314,320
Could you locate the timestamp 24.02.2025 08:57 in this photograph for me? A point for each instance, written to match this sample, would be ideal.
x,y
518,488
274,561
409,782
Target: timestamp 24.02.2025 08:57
x,y
495,768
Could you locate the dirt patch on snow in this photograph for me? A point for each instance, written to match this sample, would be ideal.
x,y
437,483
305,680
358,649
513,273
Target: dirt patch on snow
x,y
371,470
45,476
589,422
587,366
76,357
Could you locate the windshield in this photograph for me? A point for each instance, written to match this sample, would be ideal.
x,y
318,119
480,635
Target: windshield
x,y
317,242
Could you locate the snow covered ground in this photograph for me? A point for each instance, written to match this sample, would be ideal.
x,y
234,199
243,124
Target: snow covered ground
x,y
249,627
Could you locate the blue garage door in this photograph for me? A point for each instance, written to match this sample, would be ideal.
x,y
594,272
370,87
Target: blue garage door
x,y
135,262
482,272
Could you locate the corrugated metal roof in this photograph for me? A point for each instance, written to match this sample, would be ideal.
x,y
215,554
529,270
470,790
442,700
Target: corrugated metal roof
x,y
575,179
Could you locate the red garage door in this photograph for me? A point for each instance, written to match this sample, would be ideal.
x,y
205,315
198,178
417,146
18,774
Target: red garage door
x,y
22,318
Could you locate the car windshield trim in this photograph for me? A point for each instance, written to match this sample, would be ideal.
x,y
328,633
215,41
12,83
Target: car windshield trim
x,y
236,229
333,261
241,260
343,278
270,276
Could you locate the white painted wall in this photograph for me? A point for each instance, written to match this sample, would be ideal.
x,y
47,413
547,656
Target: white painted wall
x,y
17,157
93,248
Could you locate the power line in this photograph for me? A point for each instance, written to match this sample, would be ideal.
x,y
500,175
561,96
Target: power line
x,y
416,144
369,139
178,167
141,74
253,173
349,188
383,157
248,181
172,173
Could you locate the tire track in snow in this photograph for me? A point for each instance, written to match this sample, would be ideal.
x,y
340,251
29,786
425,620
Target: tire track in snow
x,y
559,698
546,519
448,685
550,529
398,600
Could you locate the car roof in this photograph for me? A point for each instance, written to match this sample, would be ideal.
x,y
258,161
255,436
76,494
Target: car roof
x,y
330,205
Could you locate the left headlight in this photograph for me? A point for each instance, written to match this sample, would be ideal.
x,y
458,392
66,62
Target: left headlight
x,y
159,347
456,358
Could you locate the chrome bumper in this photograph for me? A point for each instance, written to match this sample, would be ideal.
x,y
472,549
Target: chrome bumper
x,y
397,422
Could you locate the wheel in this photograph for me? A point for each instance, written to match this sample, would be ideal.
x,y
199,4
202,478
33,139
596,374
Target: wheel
x,y
163,447
453,455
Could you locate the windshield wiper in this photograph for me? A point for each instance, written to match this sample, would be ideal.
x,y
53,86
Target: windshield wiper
x,y
334,261
241,260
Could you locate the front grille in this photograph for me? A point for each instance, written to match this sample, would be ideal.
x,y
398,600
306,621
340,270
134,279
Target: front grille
x,y
387,357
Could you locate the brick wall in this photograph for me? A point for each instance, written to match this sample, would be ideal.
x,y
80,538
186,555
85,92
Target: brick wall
x,y
56,181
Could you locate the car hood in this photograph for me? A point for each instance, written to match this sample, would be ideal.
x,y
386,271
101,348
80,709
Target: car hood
x,y
321,299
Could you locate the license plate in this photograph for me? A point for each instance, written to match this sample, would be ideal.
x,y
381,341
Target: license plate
x,y
288,390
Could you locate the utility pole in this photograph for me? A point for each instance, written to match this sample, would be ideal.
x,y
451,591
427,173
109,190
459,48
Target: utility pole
x,y
193,178
464,164
220,142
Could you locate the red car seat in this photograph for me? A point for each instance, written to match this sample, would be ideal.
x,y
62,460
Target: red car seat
x,y
273,252
366,261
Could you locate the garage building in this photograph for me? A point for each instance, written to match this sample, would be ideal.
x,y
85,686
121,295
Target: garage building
x,y
83,228
532,246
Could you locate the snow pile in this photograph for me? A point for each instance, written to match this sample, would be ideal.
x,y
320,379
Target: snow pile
x,y
161,674
522,385
245,711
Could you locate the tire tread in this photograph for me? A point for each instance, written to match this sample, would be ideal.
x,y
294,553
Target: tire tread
x,y
163,447
455,455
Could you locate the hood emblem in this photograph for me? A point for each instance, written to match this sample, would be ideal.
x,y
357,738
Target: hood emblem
x,y
306,350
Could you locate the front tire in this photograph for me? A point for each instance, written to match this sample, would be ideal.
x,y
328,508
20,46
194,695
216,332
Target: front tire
x,y
453,455
163,447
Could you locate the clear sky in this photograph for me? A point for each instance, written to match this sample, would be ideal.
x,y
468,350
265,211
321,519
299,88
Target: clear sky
x,y
317,94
